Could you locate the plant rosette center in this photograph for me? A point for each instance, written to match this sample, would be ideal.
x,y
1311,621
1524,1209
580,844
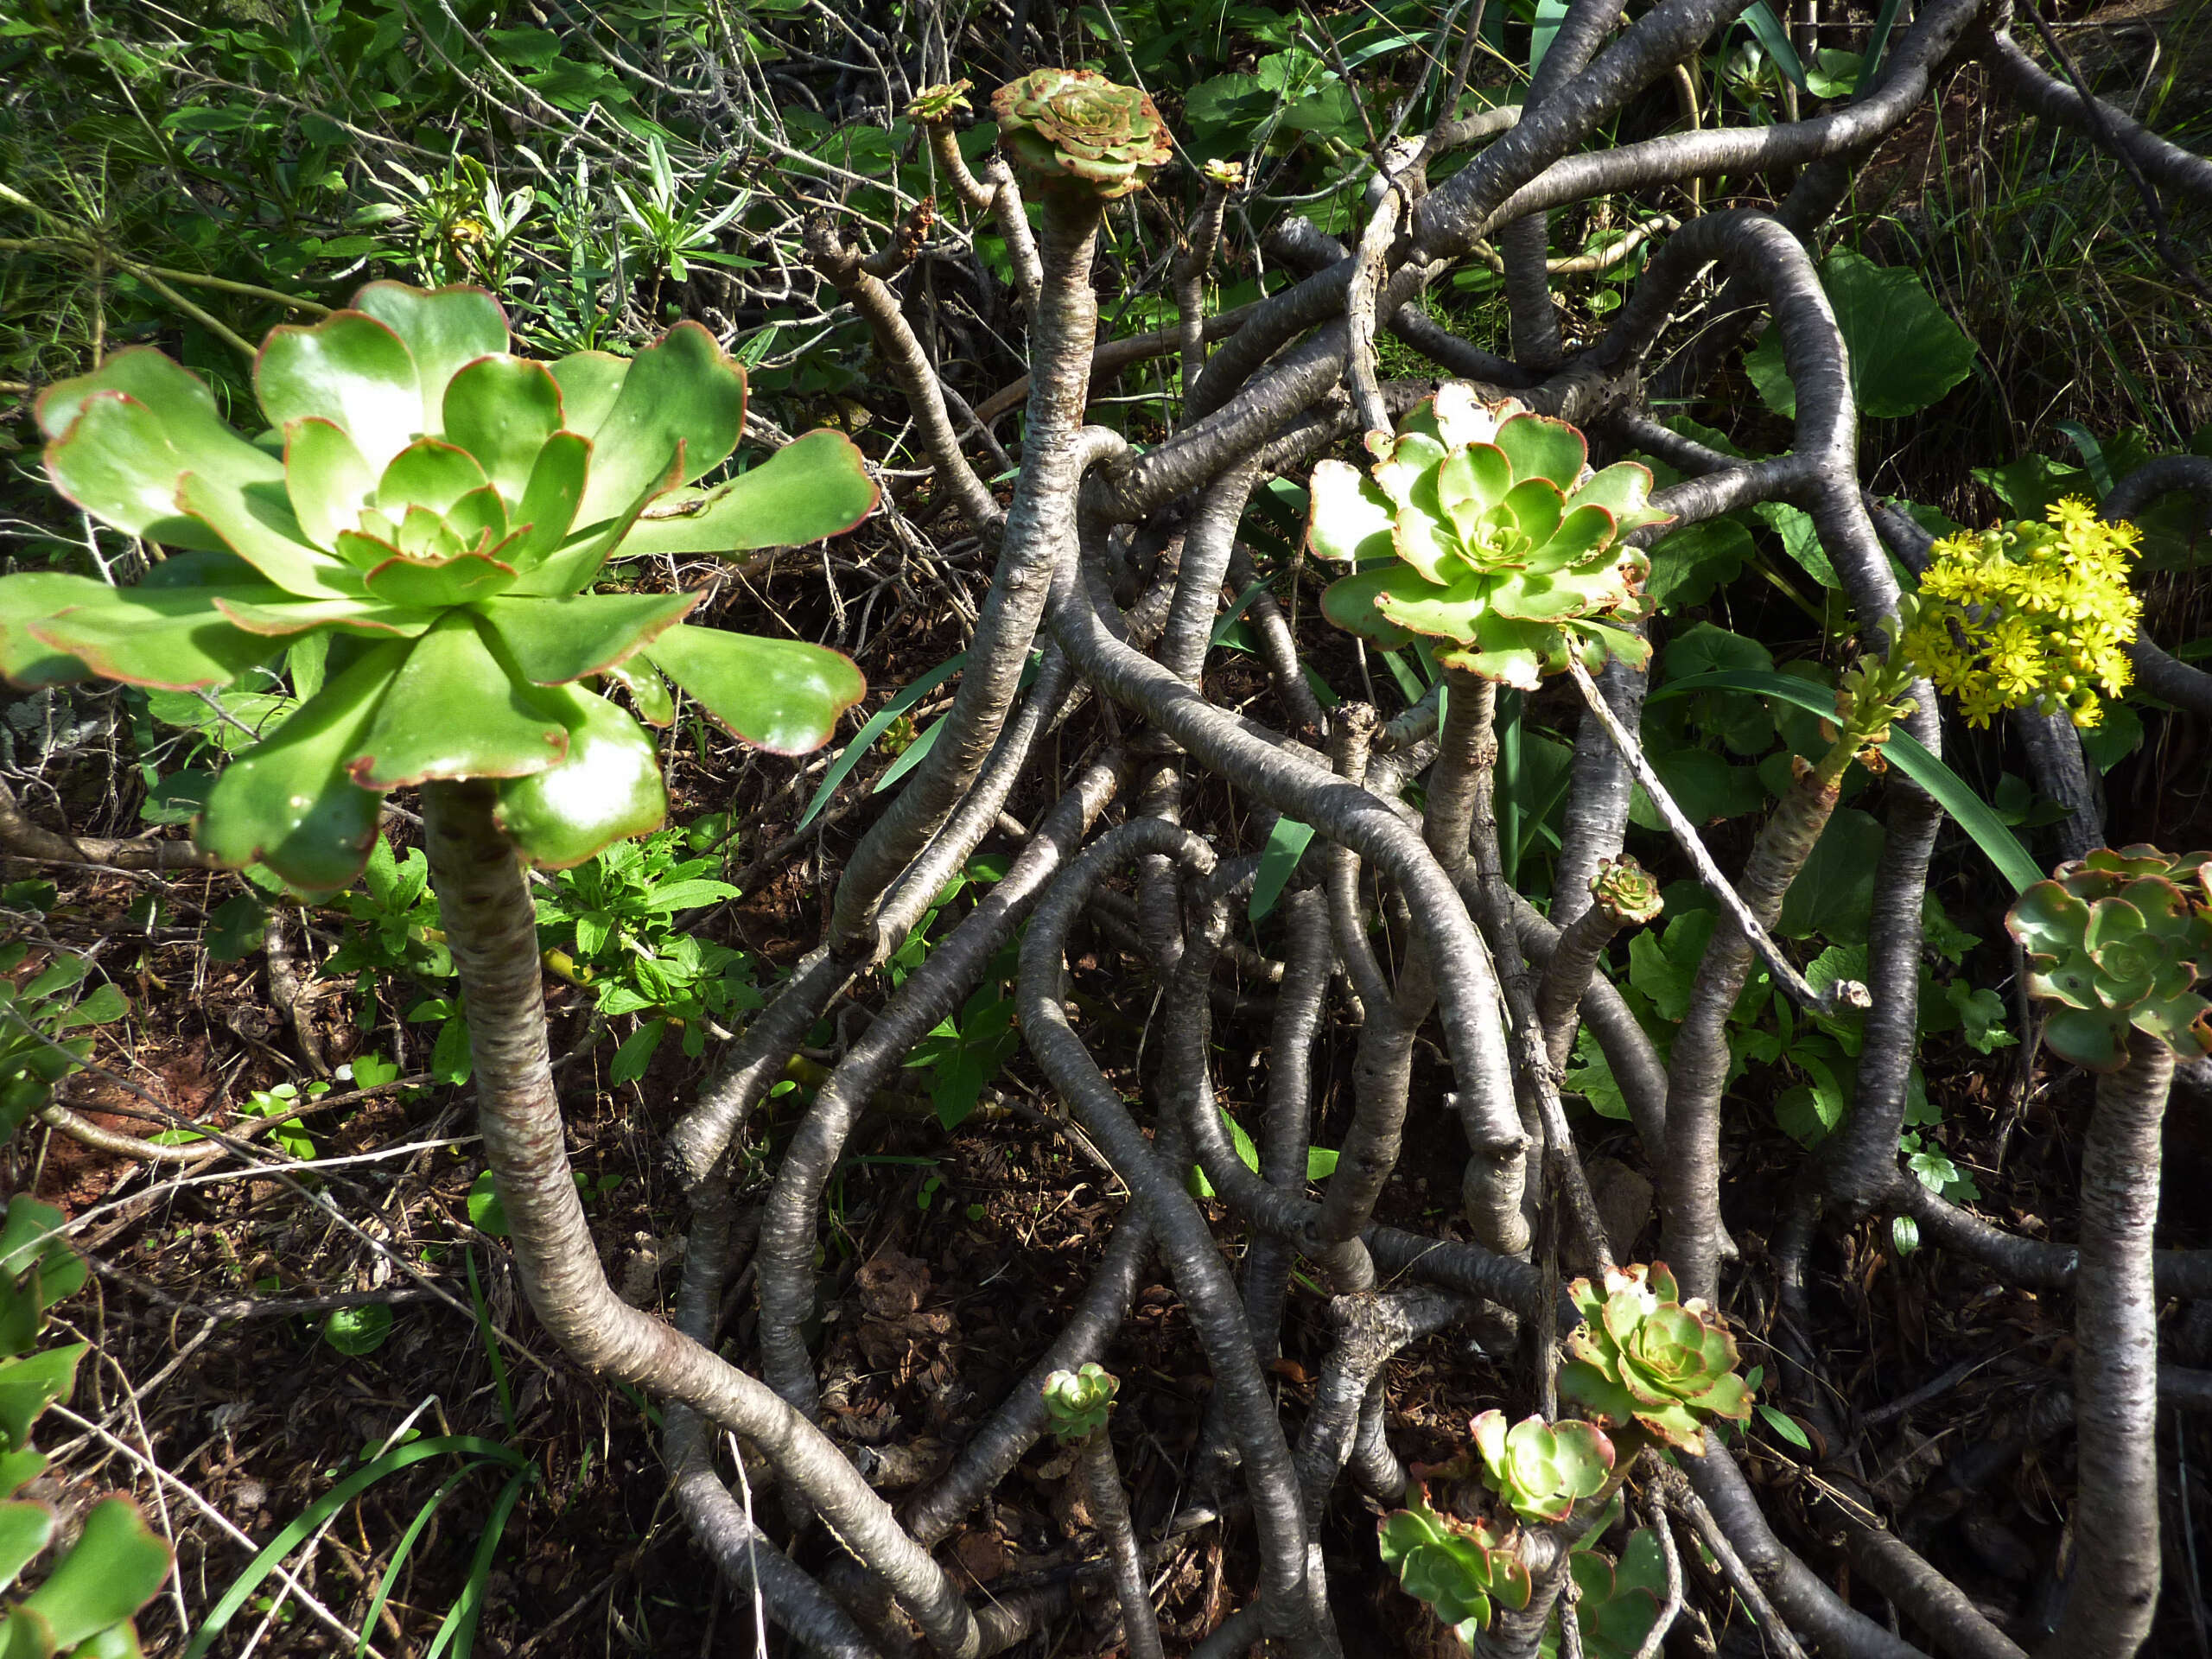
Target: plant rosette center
x,y
1074,131
1542,1470
2118,943
413,536
1645,1359
1483,526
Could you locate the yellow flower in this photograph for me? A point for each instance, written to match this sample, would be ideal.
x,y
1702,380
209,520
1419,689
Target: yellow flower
x,y
2026,615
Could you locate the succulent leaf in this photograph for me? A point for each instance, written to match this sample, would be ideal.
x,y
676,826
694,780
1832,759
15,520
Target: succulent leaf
x,y
1458,1568
1542,1470
2118,940
1507,551
437,504
1077,1403
1074,131
1643,1359
1629,893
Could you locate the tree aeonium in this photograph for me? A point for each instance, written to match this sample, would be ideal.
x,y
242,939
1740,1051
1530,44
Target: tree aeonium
x,y
2118,941
1646,1360
416,532
1482,526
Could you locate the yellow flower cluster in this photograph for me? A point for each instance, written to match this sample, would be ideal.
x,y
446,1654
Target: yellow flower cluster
x,y
2029,615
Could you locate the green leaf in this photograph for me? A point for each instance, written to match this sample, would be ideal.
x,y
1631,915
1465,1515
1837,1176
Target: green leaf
x,y
373,1071
590,383
554,641
783,695
190,422
486,1213
450,1059
355,1331
636,1052
32,596
454,712
118,464
349,369
682,395
442,330
113,1569
814,486
1688,564
1287,844
25,1529
607,787
1784,1425
1800,539
29,1385
1905,752
1834,894
172,638
288,801
501,410
547,510
1321,1162
1905,352
877,724
1904,1235
1774,40
259,526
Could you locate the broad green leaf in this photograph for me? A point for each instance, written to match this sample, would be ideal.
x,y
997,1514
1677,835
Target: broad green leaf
x,y
236,928
1541,446
117,463
113,1569
34,1235
636,1052
683,396
260,528
429,473
454,712
288,802
326,479
1688,564
350,368
31,596
548,509
442,331
783,695
170,638
355,1331
18,1469
554,641
501,410
571,567
1906,752
439,584
1800,539
486,1213
30,1384
186,408
814,486
1833,893
25,1529
290,617
590,383
1905,350
649,692
1774,40
1350,604
1352,518
608,788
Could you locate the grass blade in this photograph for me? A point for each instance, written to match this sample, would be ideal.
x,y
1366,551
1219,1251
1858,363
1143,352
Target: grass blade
x,y
491,1340
864,739
403,1548
1287,844
1774,40
459,1630
336,1498
1906,750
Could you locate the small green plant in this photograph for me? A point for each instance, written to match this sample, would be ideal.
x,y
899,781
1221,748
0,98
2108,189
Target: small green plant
x,y
83,1609
1481,526
667,226
2118,941
36,1051
1616,1602
1628,891
609,925
419,524
1646,1360
934,105
1460,1569
1077,1403
1542,1470
1073,131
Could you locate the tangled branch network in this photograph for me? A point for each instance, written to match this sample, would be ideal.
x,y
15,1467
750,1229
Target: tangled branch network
x,y
1482,517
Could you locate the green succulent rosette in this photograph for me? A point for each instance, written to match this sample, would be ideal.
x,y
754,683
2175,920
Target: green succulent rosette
x,y
2118,941
1645,1359
1627,891
1074,131
1077,1403
1459,1568
1482,526
1542,1470
425,510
